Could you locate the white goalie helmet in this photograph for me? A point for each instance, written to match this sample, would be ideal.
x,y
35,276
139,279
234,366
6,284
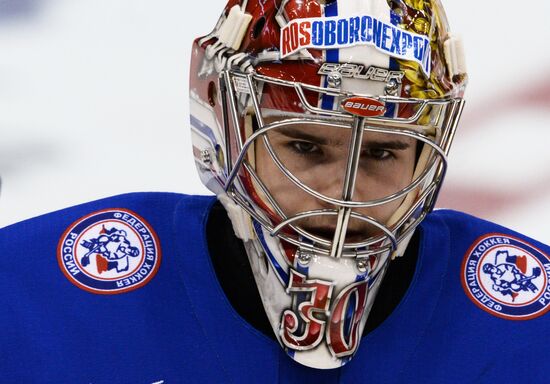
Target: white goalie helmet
x,y
323,127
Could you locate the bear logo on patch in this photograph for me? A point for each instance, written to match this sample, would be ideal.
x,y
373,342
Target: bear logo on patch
x,y
507,277
109,252
112,249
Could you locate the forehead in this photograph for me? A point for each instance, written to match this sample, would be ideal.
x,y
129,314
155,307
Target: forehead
x,y
339,133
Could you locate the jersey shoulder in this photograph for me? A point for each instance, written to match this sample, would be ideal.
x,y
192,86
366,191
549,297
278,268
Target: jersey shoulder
x,y
466,228
109,275
105,235
503,272
154,206
485,290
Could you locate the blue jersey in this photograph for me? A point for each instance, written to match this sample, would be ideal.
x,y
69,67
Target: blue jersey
x,y
122,290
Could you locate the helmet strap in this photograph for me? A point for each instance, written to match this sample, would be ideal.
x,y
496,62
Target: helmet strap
x,y
241,221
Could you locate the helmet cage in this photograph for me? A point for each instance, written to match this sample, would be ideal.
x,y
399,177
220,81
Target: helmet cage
x,y
241,94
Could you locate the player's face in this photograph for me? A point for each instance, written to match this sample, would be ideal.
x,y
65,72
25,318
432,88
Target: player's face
x,y
317,156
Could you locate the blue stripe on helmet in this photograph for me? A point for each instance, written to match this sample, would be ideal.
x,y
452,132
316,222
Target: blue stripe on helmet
x,y
332,56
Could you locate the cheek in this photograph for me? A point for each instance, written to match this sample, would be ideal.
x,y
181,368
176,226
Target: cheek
x,y
388,178
382,213
285,193
384,184
266,169
375,187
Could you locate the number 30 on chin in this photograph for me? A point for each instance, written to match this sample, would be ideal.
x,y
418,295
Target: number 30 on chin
x,y
342,333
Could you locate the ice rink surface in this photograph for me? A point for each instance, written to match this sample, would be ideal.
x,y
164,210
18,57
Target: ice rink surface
x,y
93,102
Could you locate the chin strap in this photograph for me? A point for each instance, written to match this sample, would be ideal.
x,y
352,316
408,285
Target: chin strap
x,y
242,224
402,246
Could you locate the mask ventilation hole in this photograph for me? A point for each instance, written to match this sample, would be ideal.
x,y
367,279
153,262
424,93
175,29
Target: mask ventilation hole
x,y
212,93
258,27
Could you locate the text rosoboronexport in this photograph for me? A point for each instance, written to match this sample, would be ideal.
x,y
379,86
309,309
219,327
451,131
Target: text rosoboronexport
x,y
339,32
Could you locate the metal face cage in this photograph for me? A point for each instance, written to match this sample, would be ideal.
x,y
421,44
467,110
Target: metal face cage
x,y
248,123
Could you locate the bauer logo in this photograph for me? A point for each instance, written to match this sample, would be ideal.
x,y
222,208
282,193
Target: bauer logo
x,y
109,252
341,32
364,106
507,277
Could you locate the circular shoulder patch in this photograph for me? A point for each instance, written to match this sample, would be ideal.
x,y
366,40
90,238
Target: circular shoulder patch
x,y
109,252
507,277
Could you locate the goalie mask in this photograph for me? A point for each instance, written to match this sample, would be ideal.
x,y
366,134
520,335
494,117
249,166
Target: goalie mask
x,y
323,127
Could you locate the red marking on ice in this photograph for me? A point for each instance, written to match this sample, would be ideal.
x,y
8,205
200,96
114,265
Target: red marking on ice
x,y
485,202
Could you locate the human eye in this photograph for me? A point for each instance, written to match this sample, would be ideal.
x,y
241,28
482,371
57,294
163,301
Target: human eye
x,y
302,147
380,154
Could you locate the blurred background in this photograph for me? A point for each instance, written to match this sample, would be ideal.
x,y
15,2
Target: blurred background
x,y
93,102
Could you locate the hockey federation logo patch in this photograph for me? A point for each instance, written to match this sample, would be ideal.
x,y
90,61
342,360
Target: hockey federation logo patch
x,y
109,252
507,277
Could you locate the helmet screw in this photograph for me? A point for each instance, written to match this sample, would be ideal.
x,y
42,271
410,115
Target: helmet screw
x,y
392,87
304,258
334,80
205,157
362,265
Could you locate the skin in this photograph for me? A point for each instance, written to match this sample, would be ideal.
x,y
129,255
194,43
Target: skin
x,y
317,155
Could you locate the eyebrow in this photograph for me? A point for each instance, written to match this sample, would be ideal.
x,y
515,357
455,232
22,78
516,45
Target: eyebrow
x,y
297,134
398,145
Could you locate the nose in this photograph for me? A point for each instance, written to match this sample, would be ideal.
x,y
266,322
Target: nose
x,y
329,181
